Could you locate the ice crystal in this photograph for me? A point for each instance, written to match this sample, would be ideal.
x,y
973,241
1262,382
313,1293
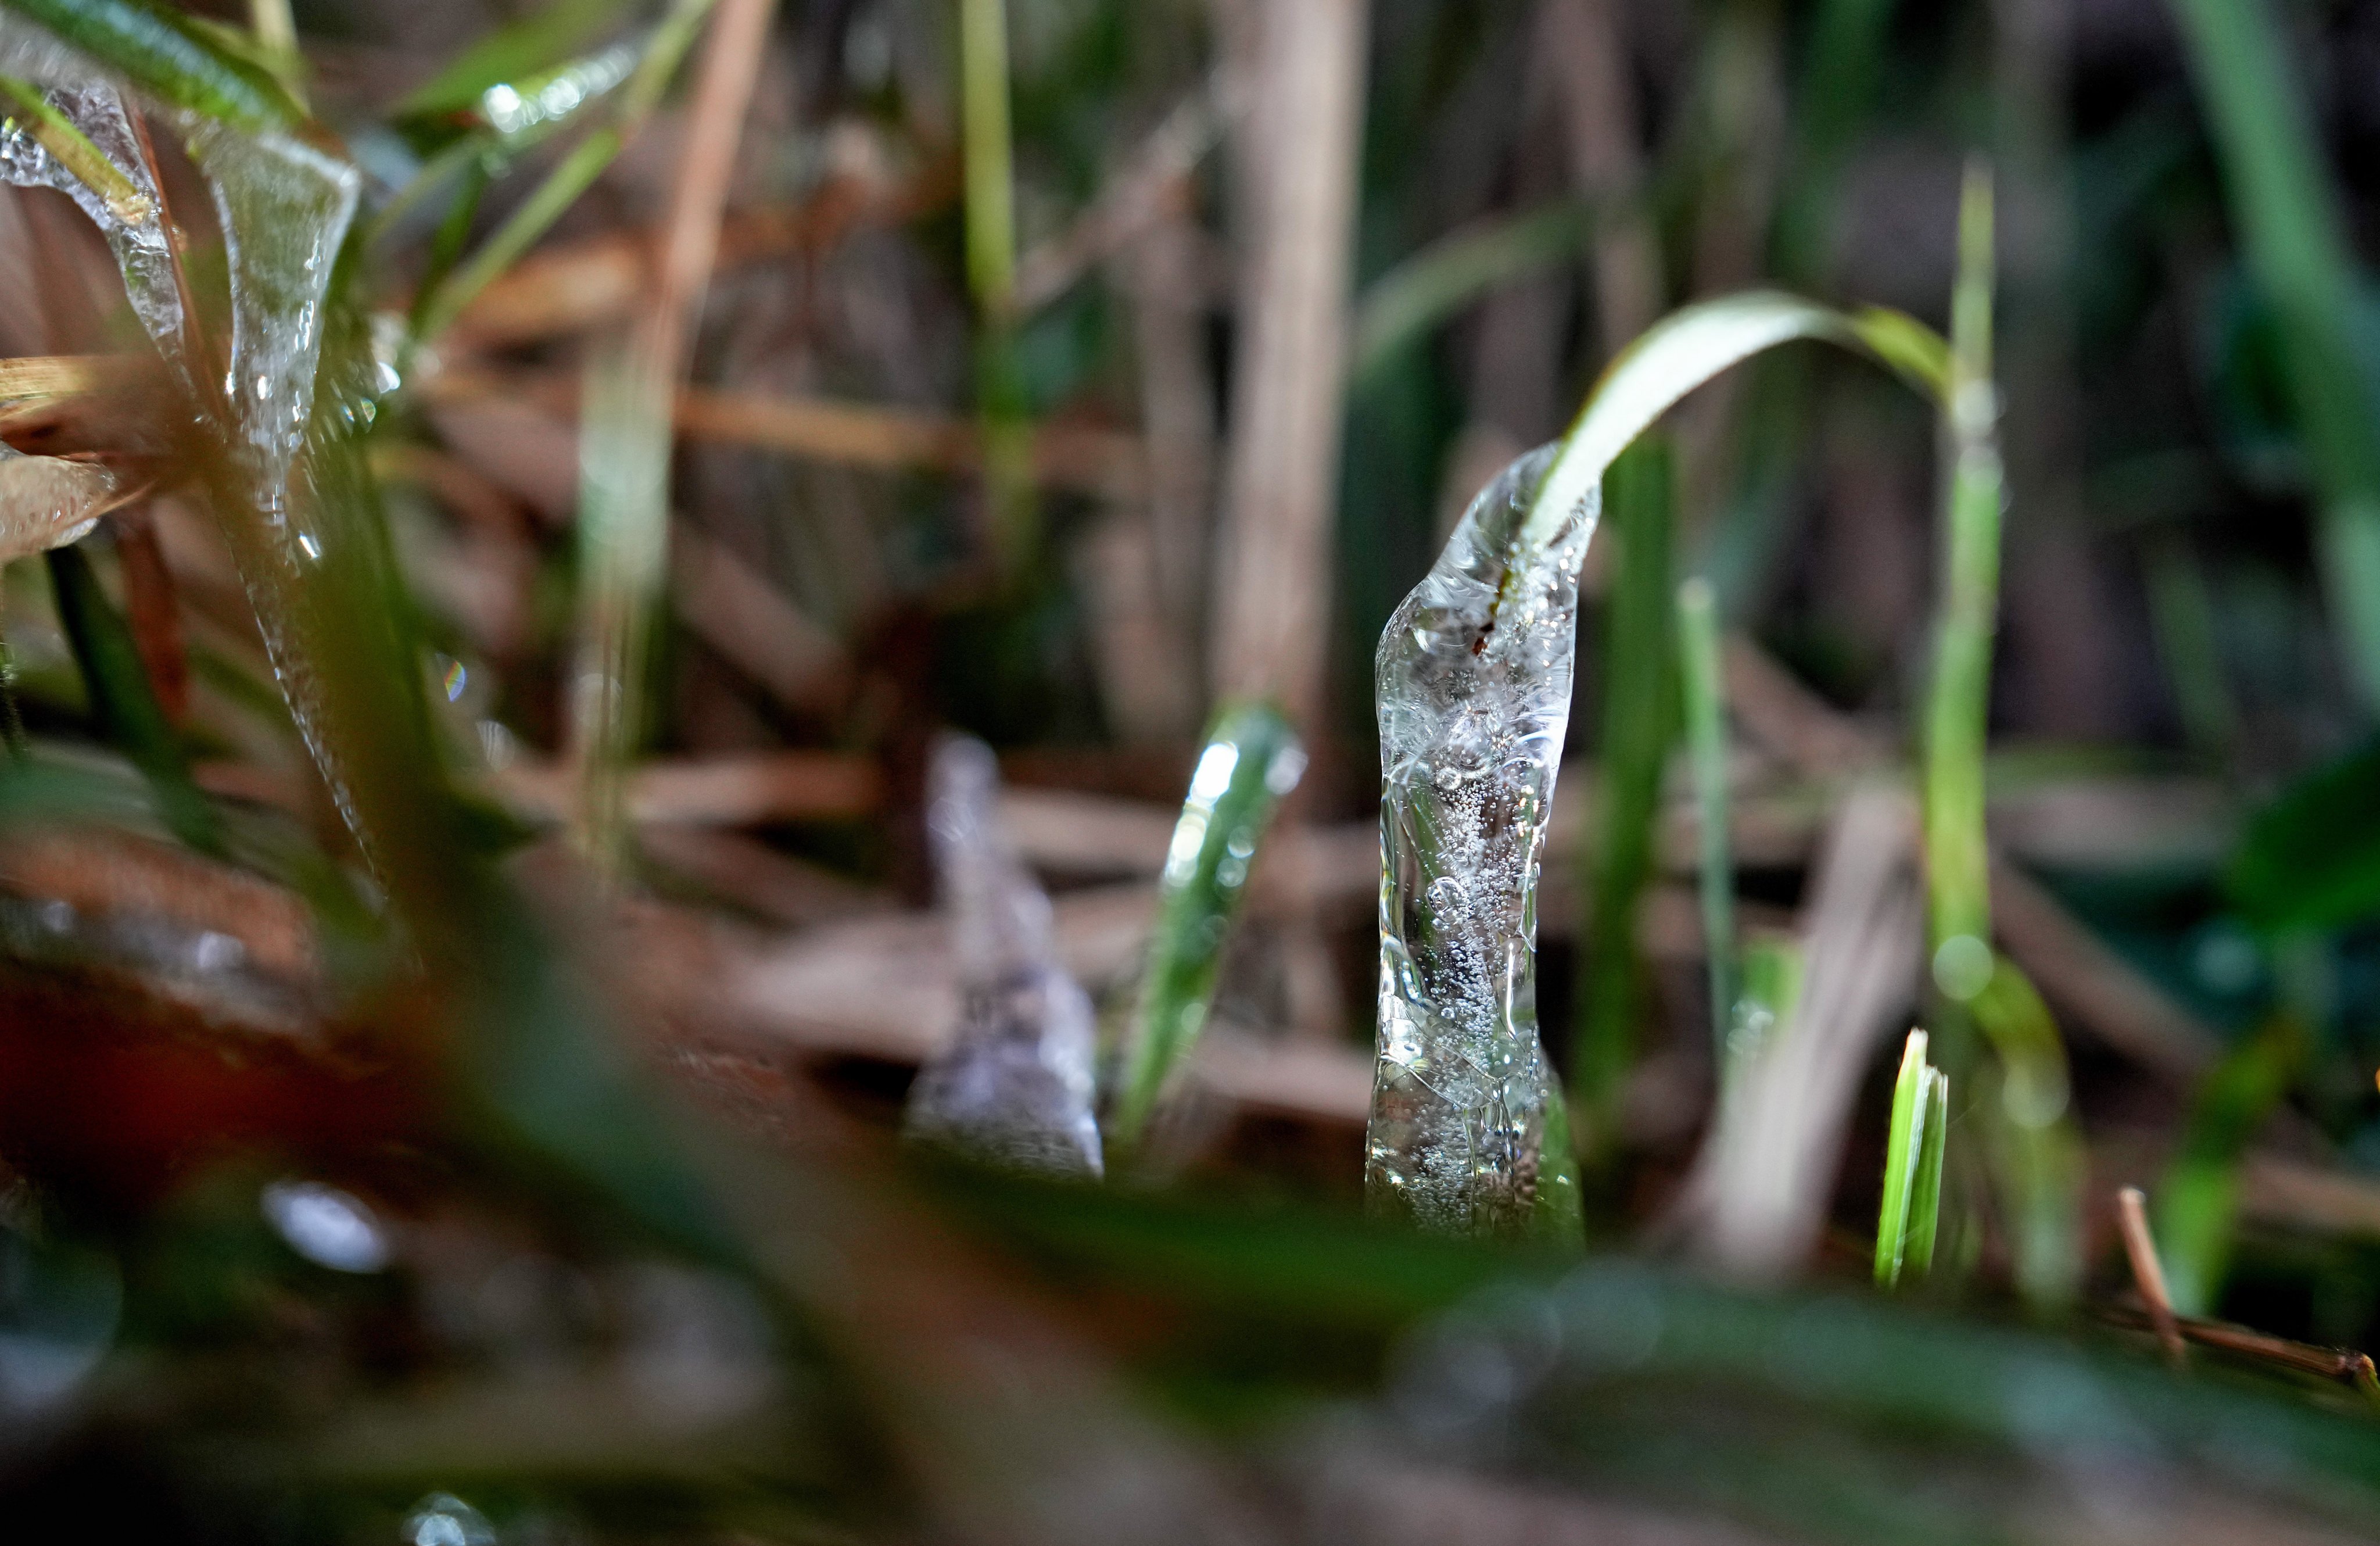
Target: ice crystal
x,y
1474,683
1015,1085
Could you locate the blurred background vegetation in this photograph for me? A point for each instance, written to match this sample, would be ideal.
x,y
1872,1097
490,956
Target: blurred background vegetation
x,y
465,925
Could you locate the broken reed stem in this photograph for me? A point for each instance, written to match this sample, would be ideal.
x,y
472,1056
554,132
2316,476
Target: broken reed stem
x,y
1707,745
1957,865
2148,1274
625,446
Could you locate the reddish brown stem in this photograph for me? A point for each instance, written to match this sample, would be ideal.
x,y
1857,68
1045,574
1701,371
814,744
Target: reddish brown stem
x,y
152,610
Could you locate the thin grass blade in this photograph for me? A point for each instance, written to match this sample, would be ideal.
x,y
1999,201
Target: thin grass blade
x,y
2289,219
1640,724
1904,1149
1706,710
1251,758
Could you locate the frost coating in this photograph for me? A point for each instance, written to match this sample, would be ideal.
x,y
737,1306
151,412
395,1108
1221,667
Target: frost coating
x,y
1015,1085
1468,1134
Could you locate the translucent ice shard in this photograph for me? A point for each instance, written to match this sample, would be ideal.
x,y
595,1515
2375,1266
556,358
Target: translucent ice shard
x,y
1469,1133
1016,1085
79,139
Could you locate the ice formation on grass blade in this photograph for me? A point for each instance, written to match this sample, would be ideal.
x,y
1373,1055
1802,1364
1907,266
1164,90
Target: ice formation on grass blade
x,y
133,220
1468,1131
284,208
1015,1085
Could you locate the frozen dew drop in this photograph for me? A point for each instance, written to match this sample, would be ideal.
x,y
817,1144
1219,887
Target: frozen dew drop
x,y
1963,967
325,1225
443,1519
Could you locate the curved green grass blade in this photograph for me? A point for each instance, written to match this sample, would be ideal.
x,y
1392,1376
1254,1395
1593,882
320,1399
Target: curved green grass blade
x,y
1689,347
1452,272
1251,758
167,55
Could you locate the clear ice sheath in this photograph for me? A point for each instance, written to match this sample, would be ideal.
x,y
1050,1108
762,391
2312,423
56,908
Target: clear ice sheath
x,y
1468,1131
1016,1085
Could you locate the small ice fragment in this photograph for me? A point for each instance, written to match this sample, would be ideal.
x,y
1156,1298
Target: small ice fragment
x,y
325,1225
443,1519
1015,1085
211,951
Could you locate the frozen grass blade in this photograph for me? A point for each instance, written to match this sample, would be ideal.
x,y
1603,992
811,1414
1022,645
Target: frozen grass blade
x,y
1473,678
534,44
73,150
1762,1013
1913,1165
1706,707
2296,244
1640,724
575,174
1251,758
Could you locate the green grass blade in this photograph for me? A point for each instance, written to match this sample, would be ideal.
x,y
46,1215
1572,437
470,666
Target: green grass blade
x,y
124,702
1958,701
575,174
991,193
1706,710
1925,1185
2288,220
1903,1153
2198,1201
2034,1137
1252,758
2311,858
168,56
1450,273
1640,724
623,550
